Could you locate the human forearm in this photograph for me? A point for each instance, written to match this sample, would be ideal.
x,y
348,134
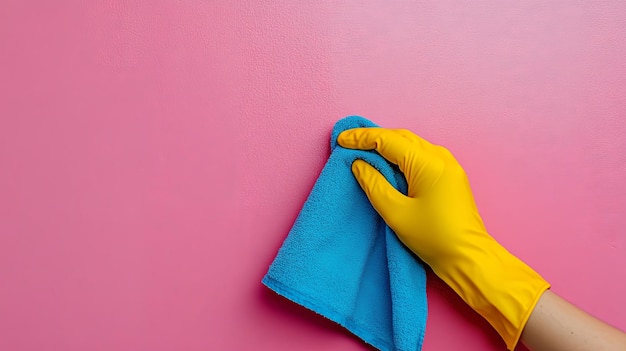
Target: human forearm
x,y
556,325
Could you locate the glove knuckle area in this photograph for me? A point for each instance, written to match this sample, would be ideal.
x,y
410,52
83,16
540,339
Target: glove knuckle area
x,y
456,170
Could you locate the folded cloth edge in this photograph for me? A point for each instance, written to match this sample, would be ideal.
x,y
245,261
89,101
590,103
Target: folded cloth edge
x,y
326,311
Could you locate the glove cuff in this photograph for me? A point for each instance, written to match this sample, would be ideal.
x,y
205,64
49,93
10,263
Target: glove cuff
x,y
497,285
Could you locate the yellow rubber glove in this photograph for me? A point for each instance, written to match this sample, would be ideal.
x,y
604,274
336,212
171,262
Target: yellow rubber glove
x,y
439,221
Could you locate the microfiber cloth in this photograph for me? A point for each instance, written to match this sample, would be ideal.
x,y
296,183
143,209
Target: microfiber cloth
x,y
342,261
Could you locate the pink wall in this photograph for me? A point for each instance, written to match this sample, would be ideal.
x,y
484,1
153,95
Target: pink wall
x,y
153,155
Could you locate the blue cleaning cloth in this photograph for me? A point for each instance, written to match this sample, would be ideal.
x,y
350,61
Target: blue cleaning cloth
x,y
342,261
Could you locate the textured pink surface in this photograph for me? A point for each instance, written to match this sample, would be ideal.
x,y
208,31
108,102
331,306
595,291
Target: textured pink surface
x,y
153,155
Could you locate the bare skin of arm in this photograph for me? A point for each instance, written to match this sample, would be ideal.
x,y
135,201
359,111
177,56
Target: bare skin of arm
x,y
556,325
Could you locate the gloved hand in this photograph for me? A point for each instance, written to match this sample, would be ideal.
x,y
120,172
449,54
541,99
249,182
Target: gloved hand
x,y
439,221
